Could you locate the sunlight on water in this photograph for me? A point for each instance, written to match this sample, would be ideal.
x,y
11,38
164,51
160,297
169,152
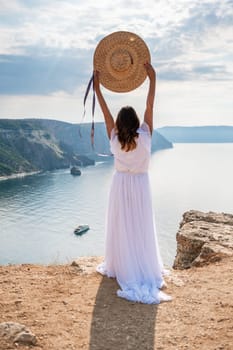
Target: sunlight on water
x,y
189,176
39,213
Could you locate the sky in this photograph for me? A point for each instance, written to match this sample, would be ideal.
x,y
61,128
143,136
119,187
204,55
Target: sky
x,y
47,47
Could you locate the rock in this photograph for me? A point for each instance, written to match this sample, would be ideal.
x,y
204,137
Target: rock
x,y
194,215
177,281
75,263
17,333
25,338
87,265
75,171
203,238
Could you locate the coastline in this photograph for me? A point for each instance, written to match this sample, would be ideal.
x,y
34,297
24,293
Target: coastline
x,y
18,175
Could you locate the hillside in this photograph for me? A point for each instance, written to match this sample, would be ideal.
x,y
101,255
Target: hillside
x,y
78,137
39,144
27,145
198,134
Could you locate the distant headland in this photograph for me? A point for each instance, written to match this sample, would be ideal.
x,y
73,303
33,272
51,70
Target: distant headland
x,y
198,134
32,145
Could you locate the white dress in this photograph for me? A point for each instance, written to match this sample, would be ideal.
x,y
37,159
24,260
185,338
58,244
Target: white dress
x,y
131,251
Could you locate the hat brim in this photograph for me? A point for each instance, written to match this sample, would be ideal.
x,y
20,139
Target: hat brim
x,y
120,58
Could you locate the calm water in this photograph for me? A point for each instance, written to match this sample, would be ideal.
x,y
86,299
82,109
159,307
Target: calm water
x,y
39,213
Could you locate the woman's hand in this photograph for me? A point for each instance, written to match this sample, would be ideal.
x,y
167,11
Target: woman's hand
x,y
96,80
150,71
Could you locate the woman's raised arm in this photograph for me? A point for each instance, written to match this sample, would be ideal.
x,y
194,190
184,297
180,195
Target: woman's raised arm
x,y
109,121
148,116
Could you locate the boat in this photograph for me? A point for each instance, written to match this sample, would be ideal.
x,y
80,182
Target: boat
x,y
81,229
75,171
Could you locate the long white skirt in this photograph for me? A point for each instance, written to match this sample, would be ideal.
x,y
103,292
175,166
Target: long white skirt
x,y
131,251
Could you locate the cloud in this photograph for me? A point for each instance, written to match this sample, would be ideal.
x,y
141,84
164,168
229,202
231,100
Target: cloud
x,y
201,39
79,24
213,69
42,74
46,47
194,103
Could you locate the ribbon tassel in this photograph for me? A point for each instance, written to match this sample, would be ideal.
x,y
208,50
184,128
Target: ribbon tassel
x,y
90,83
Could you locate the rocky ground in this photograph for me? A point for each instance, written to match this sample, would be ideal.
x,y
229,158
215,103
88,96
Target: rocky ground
x,y
71,307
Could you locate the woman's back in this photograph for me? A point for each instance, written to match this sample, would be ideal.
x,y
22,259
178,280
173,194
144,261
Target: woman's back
x,y
136,160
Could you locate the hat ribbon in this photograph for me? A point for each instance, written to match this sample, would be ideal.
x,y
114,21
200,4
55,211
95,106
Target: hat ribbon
x,y
91,83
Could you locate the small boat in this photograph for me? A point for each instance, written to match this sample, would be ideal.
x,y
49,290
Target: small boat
x,y
75,171
81,229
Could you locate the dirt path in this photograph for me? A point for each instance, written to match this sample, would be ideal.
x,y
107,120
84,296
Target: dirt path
x,y
73,308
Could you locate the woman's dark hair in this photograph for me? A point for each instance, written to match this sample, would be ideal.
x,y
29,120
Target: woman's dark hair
x,y
127,123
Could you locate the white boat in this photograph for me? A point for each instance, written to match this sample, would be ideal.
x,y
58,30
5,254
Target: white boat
x,y
81,229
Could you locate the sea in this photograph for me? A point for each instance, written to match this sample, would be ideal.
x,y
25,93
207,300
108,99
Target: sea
x,y
39,213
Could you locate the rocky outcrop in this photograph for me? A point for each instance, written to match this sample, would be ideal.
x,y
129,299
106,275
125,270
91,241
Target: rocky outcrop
x,y
203,238
17,333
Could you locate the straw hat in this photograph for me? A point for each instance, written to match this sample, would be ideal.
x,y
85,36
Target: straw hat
x,y
120,58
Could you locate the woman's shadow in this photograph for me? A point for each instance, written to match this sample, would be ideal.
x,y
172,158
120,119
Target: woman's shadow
x,y
121,324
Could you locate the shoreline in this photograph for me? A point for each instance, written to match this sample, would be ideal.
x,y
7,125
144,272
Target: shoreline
x,y
24,174
18,175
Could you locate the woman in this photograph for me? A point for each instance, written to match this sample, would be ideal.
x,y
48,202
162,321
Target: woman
x,y
131,254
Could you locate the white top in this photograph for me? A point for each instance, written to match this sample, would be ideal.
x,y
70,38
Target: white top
x,y
137,160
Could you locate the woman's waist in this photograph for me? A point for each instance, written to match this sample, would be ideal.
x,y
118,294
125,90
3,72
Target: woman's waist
x,y
131,167
131,171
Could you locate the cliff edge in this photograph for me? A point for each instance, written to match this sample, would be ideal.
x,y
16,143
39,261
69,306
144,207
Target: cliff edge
x,y
203,238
